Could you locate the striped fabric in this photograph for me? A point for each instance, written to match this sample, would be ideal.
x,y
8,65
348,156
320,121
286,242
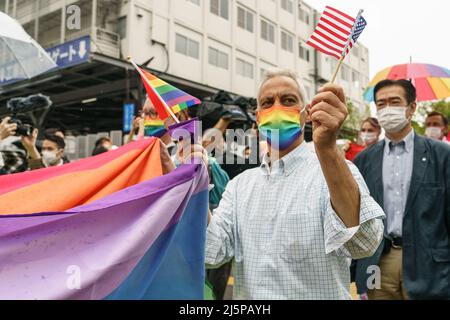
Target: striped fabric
x,y
336,33
106,227
82,182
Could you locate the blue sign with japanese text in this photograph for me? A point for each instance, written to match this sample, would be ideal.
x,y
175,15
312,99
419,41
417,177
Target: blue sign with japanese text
x,y
65,55
128,115
71,53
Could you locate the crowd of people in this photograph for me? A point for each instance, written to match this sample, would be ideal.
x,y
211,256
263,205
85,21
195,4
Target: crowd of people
x,y
23,153
290,223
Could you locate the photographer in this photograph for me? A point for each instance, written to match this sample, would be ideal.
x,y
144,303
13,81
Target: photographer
x,y
222,112
52,151
137,129
6,130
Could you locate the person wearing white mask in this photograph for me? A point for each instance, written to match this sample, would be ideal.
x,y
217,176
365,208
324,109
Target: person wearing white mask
x,y
7,130
368,136
370,132
408,176
437,126
52,151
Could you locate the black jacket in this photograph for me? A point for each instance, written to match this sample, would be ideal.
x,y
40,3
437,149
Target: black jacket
x,y
426,222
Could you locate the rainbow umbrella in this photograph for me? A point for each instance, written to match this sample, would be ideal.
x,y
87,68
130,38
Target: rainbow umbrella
x,y
432,82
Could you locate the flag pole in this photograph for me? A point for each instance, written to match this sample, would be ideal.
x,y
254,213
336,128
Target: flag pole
x,y
168,109
341,60
338,67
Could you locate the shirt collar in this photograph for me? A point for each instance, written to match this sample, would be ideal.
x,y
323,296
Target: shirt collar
x,y
288,163
408,140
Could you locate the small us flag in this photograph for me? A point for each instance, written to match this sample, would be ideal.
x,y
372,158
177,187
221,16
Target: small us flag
x,y
360,25
336,33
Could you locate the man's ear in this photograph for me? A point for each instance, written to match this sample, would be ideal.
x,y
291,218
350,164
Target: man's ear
x,y
413,109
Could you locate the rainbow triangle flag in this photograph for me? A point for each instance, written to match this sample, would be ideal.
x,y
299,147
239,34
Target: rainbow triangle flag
x,y
163,94
106,227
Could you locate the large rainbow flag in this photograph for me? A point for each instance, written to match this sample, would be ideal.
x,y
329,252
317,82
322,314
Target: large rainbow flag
x,y
160,93
107,227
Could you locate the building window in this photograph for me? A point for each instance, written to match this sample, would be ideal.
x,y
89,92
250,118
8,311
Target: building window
x,y
220,8
262,73
355,79
267,31
345,73
308,94
245,19
287,5
187,47
122,27
287,42
303,52
197,2
303,15
218,58
244,68
333,64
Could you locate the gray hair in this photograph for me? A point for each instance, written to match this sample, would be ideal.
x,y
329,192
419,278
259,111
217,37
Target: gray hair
x,y
283,73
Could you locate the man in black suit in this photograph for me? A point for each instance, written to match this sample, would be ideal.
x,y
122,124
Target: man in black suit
x,y
409,176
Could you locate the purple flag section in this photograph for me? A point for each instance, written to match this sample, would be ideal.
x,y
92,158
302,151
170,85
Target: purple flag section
x,y
190,127
88,252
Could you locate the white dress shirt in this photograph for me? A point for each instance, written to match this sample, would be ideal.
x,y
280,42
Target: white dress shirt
x,y
398,162
286,240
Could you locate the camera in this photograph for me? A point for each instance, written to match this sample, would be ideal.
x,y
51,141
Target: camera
x,y
22,128
222,105
24,106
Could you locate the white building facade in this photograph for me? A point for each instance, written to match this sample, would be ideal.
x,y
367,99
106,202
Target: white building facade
x,y
220,44
228,44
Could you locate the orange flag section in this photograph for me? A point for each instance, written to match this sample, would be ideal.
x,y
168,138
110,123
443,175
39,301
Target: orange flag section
x,y
77,187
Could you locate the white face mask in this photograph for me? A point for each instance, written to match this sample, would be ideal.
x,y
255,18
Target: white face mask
x,y
368,137
393,119
434,133
49,157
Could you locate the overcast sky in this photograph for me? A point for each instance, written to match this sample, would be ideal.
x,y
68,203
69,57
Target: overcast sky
x,y
398,29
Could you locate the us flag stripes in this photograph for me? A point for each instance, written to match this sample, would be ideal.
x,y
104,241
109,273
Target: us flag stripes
x,y
336,32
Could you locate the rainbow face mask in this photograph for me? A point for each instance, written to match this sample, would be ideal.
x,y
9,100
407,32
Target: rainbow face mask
x,y
154,127
280,123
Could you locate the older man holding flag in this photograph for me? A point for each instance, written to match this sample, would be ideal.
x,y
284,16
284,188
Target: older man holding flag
x,y
293,224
